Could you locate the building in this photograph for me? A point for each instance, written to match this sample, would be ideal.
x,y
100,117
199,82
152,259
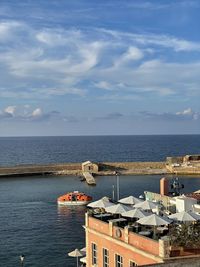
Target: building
x,y
89,166
111,244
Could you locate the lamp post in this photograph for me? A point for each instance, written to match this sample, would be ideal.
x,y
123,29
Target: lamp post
x,y
117,182
22,258
113,192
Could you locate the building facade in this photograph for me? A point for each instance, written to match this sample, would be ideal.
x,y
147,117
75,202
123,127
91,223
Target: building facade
x,y
109,245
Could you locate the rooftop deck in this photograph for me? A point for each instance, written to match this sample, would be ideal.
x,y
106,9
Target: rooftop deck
x,y
153,240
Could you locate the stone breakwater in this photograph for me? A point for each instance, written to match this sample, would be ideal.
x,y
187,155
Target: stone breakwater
x,y
128,168
105,168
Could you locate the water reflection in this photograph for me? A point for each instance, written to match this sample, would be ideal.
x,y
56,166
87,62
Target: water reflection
x,y
69,211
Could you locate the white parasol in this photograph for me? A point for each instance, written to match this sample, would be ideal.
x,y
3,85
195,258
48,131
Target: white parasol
x,y
131,200
76,253
117,209
135,213
154,220
146,205
104,202
83,260
185,216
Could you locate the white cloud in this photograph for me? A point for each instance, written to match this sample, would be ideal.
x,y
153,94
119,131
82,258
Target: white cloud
x,y
37,112
8,29
132,54
161,40
58,37
53,62
185,115
185,112
10,110
26,113
189,113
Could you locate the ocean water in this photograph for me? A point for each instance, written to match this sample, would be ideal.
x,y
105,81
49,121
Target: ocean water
x,y
39,150
32,224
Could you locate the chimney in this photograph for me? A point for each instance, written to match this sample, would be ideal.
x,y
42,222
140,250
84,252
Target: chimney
x,y
164,186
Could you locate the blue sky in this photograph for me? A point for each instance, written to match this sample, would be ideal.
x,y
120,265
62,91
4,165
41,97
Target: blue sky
x,y
99,67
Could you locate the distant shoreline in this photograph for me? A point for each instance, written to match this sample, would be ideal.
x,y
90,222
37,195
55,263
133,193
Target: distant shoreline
x,y
75,169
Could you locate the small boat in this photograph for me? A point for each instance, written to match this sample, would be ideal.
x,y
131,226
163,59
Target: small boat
x,y
74,198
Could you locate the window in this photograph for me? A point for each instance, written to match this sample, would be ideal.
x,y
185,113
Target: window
x,y
118,261
94,253
105,257
132,264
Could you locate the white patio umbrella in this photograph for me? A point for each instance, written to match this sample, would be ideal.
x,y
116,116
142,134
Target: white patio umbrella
x,y
117,209
185,216
146,205
83,251
76,253
83,260
154,220
135,213
131,200
101,203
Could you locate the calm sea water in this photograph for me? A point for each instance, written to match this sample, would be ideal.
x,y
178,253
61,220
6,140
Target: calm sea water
x,y
31,223
30,150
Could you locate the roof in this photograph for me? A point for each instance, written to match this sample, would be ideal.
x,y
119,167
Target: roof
x,y
86,162
185,197
198,191
195,195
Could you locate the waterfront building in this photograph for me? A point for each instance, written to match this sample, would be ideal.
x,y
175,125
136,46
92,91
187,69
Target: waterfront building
x,y
89,166
117,241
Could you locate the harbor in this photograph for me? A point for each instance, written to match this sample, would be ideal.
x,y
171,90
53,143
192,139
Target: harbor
x,y
185,165
34,225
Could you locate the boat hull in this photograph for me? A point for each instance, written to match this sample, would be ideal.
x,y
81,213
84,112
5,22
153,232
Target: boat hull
x,y
73,203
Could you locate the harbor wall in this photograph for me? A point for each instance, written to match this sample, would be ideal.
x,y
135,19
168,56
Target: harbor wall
x,y
105,168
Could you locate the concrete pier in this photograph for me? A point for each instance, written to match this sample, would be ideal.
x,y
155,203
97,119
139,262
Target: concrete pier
x,y
89,178
48,169
104,168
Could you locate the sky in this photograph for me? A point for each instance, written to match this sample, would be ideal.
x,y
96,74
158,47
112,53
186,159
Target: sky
x,y
90,67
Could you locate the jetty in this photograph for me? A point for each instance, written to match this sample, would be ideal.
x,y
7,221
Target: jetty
x,y
186,165
89,178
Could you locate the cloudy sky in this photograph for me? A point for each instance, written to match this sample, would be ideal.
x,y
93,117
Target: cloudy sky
x,y
90,67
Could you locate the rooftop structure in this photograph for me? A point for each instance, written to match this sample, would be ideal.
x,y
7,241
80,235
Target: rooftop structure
x,y
184,164
119,244
89,166
118,240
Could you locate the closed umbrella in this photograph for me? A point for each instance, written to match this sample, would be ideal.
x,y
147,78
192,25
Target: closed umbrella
x,y
117,209
101,203
131,200
146,205
185,216
76,253
135,213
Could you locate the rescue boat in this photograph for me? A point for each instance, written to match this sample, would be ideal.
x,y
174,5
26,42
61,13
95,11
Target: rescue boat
x,y
74,198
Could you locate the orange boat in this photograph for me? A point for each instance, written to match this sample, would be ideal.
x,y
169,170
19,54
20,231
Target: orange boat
x,y
74,198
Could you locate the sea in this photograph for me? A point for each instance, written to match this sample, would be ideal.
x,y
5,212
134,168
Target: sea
x,y
32,224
